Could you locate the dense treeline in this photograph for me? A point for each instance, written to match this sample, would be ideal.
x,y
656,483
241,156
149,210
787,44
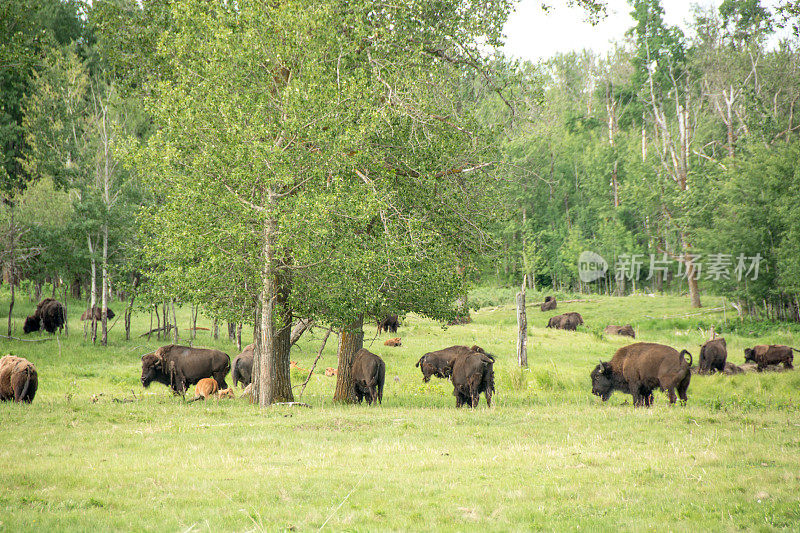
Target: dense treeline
x,y
676,154
402,163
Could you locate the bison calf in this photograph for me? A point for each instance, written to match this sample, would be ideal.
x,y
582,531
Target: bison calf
x,y
369,373
774,354
713,356
393,342
639,368
205,388
18,379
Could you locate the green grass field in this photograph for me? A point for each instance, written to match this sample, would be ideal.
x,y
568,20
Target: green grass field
x,y
547,456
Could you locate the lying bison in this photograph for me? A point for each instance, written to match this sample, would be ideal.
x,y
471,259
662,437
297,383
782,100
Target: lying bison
x,y
567,321
389,323
713,356
625,331
18,379
549,303
774,354
369,373
472,374
639,368
181,366
440,362
98,314
242,370
49,315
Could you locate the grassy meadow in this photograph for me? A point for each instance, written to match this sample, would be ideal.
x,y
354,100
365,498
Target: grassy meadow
x,y
96,451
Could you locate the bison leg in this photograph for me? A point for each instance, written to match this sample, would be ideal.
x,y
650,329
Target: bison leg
x,y
787,365
219,377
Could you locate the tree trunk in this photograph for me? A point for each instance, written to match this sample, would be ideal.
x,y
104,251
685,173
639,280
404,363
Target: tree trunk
x,y
522,327
93,300
271,374
174,322
351,340
215,329
297,331
104,296
76,289
239,336
231,331
11,274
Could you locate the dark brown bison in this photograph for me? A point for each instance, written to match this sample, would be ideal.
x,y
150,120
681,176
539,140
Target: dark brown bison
x,y
389,323
549,303
440,362
98,314
625,331
369,373
568,321
774,354
181,366
639,368
49,315
18,379
713,356
242,369
472,374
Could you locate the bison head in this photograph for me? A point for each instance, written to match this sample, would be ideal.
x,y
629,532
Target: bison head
x,y
152,369
31,324
602,381
749,354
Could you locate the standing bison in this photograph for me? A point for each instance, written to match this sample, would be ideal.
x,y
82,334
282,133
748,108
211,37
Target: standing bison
x,y
568,321
242,370
639,368
18,379
549,303
181,366
472,374
774,354
625,331
440,362
369,373
49,315
713,356
389,323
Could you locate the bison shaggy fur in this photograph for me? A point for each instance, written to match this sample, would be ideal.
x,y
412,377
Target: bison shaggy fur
x,y
713,356
625,331
180,366
18,379
440,362
49,315
773,354
549,303
639,368
369,373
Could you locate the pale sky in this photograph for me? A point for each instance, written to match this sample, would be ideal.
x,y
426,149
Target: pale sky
x,y
533,34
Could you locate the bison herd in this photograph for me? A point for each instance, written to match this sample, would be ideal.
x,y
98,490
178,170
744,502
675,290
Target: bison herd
x,y
637,369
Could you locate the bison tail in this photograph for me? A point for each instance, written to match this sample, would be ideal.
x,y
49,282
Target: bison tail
x,y
420,361
235,374
27,384
796,350
685,353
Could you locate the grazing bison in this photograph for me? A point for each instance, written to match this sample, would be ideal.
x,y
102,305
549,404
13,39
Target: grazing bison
x,y
440,362
713,356
549,303
567,321
18,379
49,315
181,366
625,331
774,354
243,366
369,373
205,388
389,323
472,374
98,314
639,368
